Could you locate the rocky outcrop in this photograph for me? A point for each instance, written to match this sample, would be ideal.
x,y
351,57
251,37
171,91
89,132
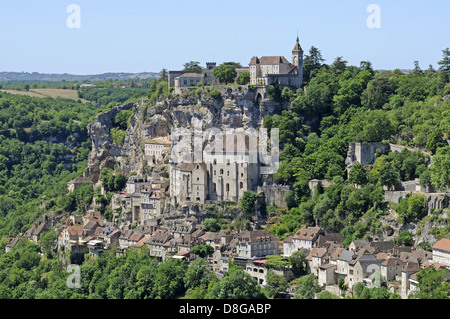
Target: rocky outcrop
x,y
104,152
233,110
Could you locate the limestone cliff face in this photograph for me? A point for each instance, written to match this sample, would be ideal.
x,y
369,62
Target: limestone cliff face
x,y
233,110
104,152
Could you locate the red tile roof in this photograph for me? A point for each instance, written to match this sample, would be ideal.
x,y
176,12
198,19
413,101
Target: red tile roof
x,y
443,244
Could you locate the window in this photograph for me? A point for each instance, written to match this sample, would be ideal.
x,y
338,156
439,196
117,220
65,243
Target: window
x,y
221,171
228,187
241,185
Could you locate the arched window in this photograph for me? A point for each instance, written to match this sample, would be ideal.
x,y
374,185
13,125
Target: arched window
x,y
228,187
241,185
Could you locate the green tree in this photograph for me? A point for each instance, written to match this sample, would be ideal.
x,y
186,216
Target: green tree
x,y
169,281
47,240
198,274
211,225
192,66
275,284
440,169
307,287
404,238
436,141
445,62
358,175
203,250
433,284
299,263
225,73
243,78
326,295
389,175
248,202
236,285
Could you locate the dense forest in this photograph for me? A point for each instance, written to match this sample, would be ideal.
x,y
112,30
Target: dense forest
x,y
44,143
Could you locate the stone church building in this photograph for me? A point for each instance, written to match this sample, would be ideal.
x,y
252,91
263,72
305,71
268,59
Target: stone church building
x,y
268,70
224,175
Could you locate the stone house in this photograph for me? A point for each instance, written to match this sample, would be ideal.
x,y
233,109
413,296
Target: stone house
x,y
188,182
355,245
154,148
383,246
77,182
135,184
34,233
160,244
362,267
112,238
342,263
306,237
391,268
11,243
408,284
257,269
326,274
124,238
257,243
70,235
316,258
441,252
220,260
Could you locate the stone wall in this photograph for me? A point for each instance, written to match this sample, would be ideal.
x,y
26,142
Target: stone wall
x,y
274,194
433,201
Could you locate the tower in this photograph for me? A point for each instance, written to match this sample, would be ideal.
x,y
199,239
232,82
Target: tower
x,y
297,60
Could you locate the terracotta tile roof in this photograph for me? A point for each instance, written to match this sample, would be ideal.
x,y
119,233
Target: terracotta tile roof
x,y
254,60
311,253
142,241
443,244
136,237
307,233
75,230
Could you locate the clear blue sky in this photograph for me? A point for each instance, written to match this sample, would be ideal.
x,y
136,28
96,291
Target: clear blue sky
x,y
148,35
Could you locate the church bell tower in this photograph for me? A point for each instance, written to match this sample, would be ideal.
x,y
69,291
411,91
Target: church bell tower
x,y
297,60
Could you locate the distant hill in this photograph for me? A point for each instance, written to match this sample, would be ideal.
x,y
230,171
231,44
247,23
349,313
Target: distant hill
x,y
42,77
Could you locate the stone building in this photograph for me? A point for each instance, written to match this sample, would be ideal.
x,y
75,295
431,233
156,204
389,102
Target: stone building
x,y
441,252
258,243
185,79
269,70
224,175
155,147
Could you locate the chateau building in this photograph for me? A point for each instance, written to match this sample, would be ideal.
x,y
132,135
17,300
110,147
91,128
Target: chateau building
x,y
269,70
263,71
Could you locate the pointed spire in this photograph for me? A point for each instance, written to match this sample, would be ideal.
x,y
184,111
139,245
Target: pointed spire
x,y
297,45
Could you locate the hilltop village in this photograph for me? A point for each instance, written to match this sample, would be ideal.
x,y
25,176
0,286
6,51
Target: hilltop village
x,y
168,212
